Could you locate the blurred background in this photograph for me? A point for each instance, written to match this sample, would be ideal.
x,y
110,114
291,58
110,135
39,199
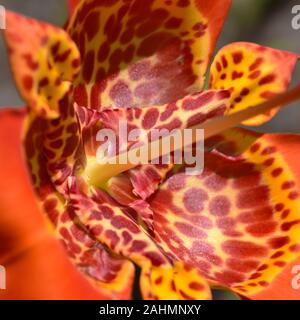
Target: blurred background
x,y
266,22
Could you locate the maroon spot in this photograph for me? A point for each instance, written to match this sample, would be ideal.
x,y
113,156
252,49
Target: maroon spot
x,y
196,286
254,75
269,162
237,57
264,283
170,109
30,62
278,242
229,277
153,43
112,235
70,146
256,64
236,75
254,148
155,258
50,204
267,79
91,24
127,36
88,66
288,225
245,92
189,230
129,53
202,100
44,82
215,182
279,207
277,254
224,62
285,213
147,90
295,248
150,118
27,82
261,229
244,249
254,197
138,245
106,212
193,199
288,185
126,237
279,264
242,265
276,172
176,182
121,94
159,280
218,66
103,52
219,206
226,223
183,3
138,70
200,248
200,221
268,150
293,195
256,215
173,23
120,222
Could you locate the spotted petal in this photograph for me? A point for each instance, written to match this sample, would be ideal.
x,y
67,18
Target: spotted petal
x,y
119,229
253,74
44,61
238,222
139,53
24,236
186,112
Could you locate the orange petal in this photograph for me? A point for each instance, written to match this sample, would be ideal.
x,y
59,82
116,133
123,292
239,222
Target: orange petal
x,y
253,74
35,263
238,222
285,285
44,61
151,52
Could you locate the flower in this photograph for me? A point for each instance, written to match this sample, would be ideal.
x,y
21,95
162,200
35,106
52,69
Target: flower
x,y
235,225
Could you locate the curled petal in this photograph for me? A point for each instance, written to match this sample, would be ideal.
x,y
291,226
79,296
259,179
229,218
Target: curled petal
x,y
238,222
44,61
253,74
151,52
25,238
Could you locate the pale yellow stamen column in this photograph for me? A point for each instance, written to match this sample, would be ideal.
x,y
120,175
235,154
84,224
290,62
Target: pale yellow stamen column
x,y
96,174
